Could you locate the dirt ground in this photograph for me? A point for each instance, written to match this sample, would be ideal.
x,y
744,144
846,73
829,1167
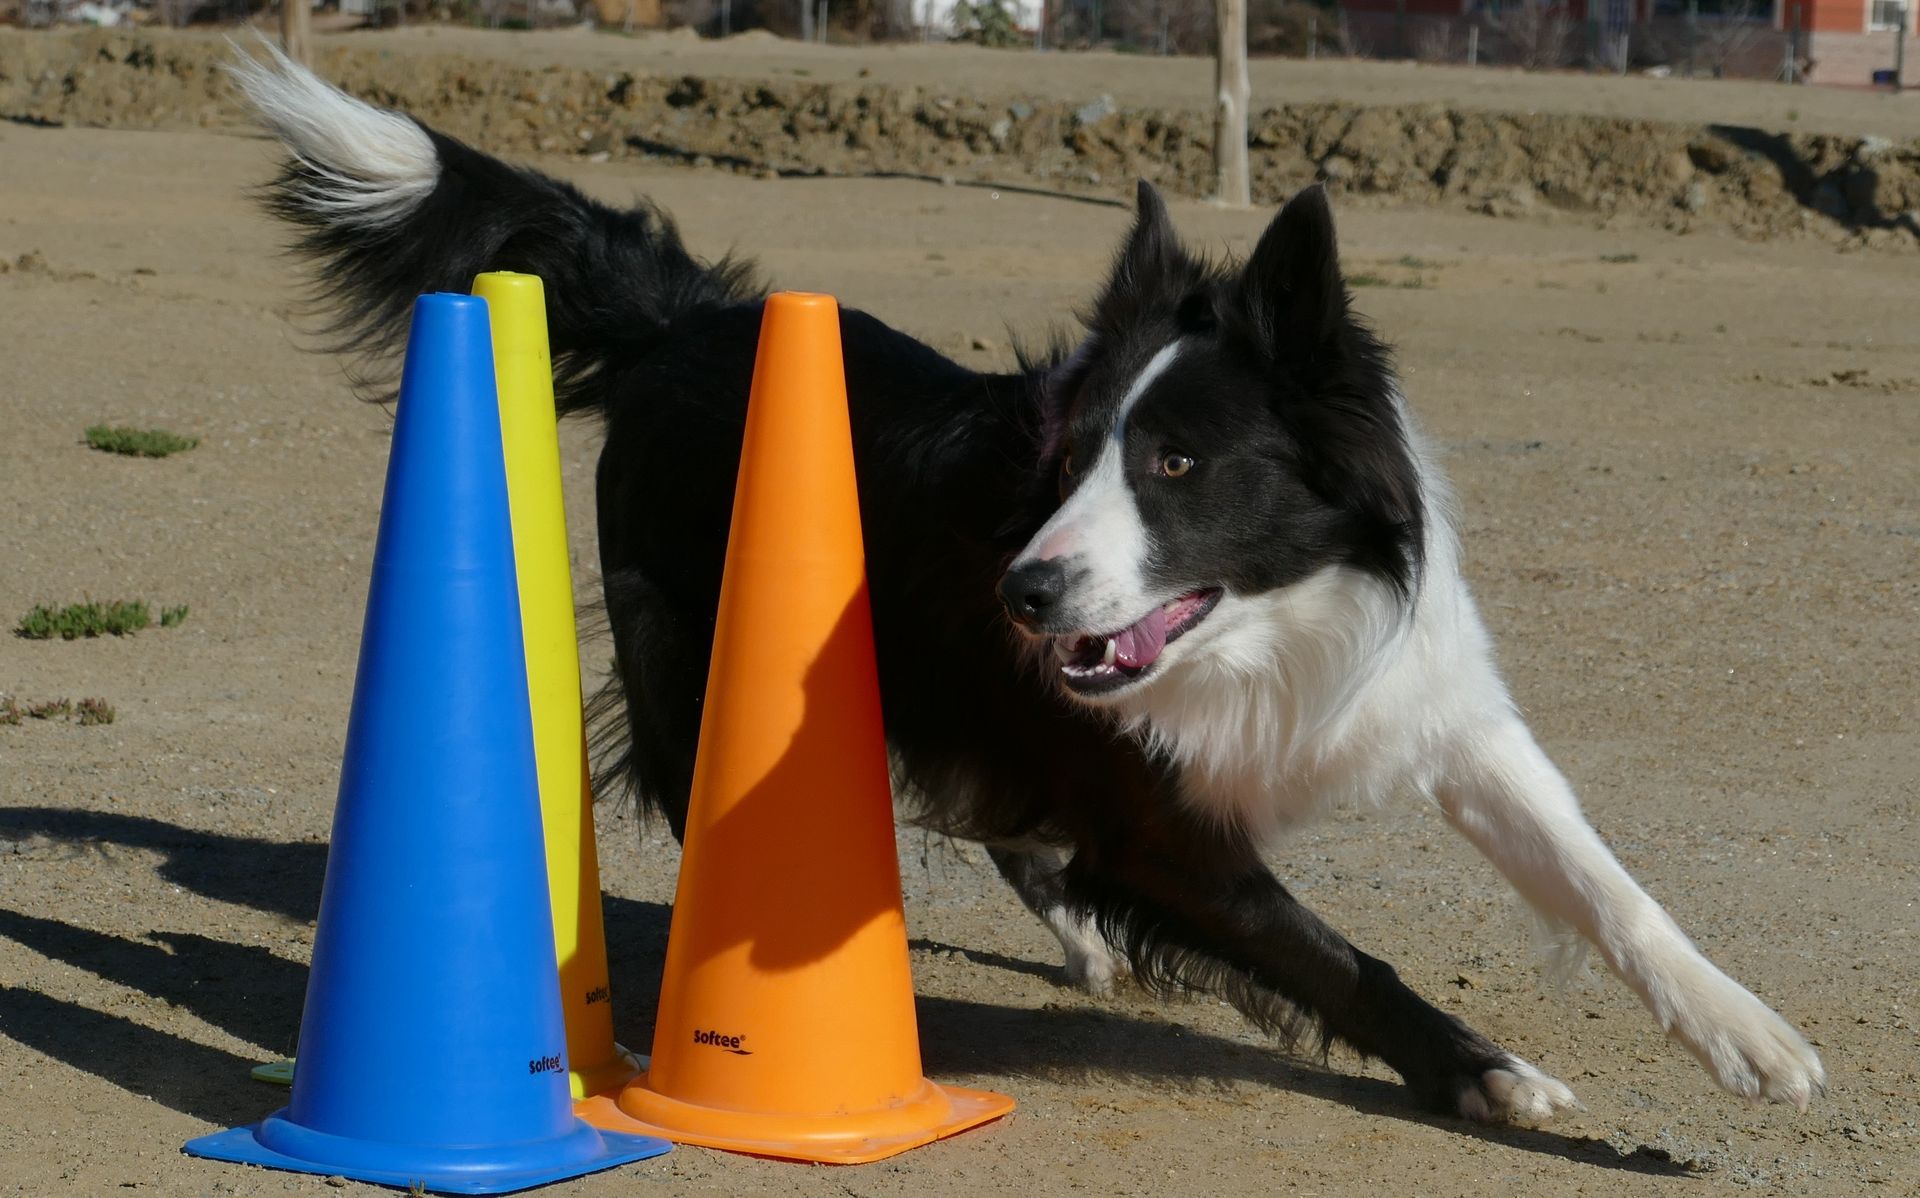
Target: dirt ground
x,y
1686,468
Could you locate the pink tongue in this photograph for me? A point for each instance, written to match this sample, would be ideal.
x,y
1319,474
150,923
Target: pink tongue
x,y
1139,646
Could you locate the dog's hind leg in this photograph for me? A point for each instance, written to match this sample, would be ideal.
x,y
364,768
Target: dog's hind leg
x,y
1035,876
1211,917
1500,790
660,677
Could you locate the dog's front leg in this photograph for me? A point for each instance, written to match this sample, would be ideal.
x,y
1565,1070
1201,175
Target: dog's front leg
x,y
1500,790
1214,919
1035,875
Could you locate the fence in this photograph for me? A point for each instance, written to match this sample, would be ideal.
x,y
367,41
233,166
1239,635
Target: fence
x,y
1543,37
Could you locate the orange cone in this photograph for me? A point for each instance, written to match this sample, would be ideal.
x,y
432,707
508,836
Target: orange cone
x,y
786,1023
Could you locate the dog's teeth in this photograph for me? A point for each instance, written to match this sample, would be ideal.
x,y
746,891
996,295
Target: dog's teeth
x,y
1106,659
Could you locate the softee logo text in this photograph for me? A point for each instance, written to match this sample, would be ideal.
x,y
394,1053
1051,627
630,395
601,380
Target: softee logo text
x,y
721,1040
544,1064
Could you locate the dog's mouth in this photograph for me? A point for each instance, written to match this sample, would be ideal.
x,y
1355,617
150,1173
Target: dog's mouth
x,y
1097,663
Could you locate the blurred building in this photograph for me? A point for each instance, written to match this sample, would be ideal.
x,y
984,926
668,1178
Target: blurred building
x,y
1847,43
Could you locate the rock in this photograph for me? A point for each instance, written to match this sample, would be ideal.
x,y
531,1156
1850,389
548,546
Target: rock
x,y
981,343
600,143
1870,148
1000,130
1709,155
1020,110
1694,199
1094,113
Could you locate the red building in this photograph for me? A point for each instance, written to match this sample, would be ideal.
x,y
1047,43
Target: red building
x,y
1848,41
1845,43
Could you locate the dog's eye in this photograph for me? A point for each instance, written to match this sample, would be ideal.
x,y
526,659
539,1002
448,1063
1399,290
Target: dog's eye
x,y
1175,464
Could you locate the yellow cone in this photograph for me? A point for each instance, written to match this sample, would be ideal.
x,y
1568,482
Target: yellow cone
x,y
523,367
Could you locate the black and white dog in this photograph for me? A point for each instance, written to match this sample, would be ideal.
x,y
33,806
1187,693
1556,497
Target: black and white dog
x,y
1138,606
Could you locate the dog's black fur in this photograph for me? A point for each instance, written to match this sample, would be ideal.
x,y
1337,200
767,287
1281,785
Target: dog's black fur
x,y
957,470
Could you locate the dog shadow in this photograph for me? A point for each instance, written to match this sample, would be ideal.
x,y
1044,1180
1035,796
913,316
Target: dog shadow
x,y
255,996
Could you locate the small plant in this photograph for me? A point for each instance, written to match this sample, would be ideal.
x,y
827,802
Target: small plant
x,y
87,712
138,442
84,620
1619,259
986,23
1413,263
1366,280
170,617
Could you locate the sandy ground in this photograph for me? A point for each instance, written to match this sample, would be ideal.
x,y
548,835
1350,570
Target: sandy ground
x,y
1688,491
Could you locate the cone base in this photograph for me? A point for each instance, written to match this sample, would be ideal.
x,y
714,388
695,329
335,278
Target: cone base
x,y
274,1073
278,1143
606,1077
934,1113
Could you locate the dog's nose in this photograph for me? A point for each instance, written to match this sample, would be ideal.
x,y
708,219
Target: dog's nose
x,y
1031,590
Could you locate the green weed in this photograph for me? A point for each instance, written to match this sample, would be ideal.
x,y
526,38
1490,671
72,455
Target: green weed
x,y
84,620
139,442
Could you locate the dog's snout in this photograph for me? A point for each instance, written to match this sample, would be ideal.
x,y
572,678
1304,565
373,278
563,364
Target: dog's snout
x,y
1033,589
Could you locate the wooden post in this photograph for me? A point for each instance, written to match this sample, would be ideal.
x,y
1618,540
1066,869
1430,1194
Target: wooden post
x,y
1230,89
1900,49
1473,45
296,20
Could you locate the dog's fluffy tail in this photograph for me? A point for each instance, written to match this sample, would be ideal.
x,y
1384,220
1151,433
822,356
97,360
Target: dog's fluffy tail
x,y
389,209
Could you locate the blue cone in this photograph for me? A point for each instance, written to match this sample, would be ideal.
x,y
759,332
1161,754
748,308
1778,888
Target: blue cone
x,y
432,1049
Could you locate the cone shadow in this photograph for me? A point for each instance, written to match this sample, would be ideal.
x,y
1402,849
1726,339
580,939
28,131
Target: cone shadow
x,y
243,990
209,1084
273,876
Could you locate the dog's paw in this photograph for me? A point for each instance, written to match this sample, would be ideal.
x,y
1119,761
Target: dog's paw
x,y
1748,1049
1094,968
1514,1092
1092,965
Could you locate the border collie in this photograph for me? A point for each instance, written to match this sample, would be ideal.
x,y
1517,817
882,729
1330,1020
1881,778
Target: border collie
x,y
1139,606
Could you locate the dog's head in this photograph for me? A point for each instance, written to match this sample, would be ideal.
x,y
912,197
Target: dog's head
x,y
1222,433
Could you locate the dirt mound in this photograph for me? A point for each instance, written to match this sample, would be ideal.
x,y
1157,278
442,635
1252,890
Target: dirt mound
x,y
1854,190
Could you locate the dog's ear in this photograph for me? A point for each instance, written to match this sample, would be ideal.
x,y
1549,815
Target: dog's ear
x,y
1290,290
1152,246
